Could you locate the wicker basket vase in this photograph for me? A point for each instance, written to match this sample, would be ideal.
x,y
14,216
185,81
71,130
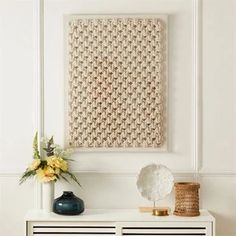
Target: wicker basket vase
x,y
186,199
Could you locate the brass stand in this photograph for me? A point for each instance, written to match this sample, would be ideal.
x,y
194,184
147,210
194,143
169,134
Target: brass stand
x,y
156,211
160,212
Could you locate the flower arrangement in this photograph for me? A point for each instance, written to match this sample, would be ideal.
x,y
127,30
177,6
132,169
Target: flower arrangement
x,y
51,168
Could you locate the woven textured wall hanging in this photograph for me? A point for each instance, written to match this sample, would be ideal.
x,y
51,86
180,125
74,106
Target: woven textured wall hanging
x,y
116,81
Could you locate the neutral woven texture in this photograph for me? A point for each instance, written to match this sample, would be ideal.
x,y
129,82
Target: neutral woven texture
x,y
187,199
116,83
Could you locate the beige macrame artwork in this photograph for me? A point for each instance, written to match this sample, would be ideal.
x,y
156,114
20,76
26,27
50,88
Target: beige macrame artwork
x,y
117,82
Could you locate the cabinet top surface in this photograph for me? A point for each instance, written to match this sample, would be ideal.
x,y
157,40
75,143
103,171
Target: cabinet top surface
x,y
114,215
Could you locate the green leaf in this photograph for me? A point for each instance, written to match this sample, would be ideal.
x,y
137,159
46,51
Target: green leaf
x,y
49,149
43,164
63,177
51,141
67,159
27,174
73,177
36,154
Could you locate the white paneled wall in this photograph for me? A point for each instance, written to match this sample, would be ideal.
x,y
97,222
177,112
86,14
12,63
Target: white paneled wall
x,y
15,200
109,179
180,80
16,84
219,86
16,112
218,194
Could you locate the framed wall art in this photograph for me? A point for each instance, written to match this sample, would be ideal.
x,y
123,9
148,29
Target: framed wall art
x,y
116,82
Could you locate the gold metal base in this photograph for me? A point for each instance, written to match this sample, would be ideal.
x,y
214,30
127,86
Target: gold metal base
x,y
160,211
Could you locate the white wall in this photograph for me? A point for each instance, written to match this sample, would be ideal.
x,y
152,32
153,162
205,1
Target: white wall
x,y
16,112
109,179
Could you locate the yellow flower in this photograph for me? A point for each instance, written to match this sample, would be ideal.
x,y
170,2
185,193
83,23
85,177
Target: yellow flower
x,y
57,171
34,165
64,165
57,162
46,174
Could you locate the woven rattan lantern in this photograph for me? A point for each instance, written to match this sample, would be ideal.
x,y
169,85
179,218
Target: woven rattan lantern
x,y
186,199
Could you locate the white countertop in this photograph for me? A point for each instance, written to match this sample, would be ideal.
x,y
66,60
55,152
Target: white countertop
x,y
112,215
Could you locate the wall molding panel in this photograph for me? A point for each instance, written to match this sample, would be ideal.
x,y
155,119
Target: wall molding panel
x,y
190,158
196,64
132,175
38,18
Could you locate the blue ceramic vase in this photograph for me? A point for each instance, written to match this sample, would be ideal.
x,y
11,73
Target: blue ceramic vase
x,y
68,204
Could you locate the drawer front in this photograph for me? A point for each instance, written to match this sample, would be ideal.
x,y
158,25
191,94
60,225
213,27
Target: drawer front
x,y
64,228
167,229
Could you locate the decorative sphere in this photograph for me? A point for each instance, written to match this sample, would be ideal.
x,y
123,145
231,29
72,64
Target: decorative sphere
x,y
155,182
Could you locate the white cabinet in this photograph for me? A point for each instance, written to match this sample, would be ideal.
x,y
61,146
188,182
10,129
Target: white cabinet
x,y
128,222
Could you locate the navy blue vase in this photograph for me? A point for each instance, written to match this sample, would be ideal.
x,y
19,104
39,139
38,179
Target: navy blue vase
x,y
68,204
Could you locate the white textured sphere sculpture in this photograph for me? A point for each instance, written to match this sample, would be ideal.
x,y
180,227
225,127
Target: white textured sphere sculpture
x,y
155,182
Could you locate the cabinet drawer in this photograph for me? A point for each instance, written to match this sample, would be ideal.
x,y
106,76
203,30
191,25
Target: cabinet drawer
x,y
166,229
73,229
